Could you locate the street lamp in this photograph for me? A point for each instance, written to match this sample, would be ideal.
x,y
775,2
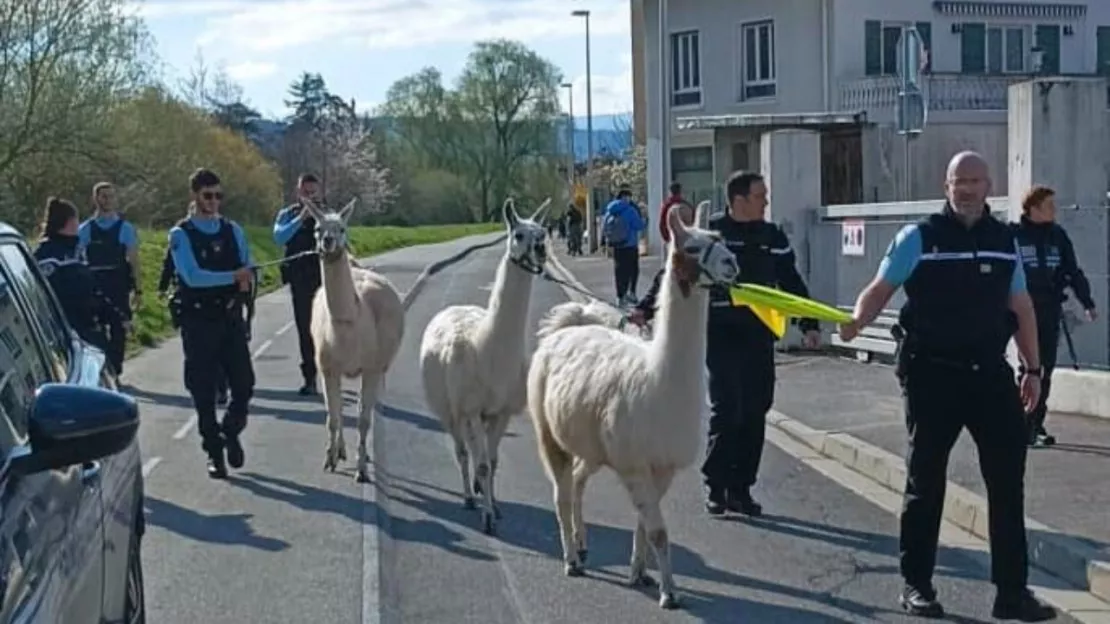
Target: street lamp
x,y
589,136
570,137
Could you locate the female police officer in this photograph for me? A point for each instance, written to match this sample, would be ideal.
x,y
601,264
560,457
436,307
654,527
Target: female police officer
x,y
965,287
87,309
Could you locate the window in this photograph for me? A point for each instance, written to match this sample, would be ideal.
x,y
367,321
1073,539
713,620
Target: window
x,y
741,156
685,69
1005,49
22,369
757,56
881,49
1102,55
37,294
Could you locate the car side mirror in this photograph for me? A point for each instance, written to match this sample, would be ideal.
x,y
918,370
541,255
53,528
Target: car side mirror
x,y
71,425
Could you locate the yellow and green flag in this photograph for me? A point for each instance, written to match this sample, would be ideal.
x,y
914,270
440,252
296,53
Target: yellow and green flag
x,y
773,306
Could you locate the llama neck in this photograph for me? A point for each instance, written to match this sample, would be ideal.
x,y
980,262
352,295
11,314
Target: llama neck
x,y
339,288
509,298
679,343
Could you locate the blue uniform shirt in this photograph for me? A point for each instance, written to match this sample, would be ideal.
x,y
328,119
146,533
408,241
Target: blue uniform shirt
x,y
287,223
127,235
186,263
905,252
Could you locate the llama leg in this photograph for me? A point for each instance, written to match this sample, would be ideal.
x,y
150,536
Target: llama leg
x,y
563,479
637,570
367,399
581,474
645,497
333,400
495,430
462,456
476,442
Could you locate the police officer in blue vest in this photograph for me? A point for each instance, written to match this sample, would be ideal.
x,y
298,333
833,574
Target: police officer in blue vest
x,y
1051,267
212,262
59,258
965,297
295,229
111,248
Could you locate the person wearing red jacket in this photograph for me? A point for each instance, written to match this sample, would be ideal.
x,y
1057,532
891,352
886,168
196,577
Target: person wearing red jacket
x,y
674,198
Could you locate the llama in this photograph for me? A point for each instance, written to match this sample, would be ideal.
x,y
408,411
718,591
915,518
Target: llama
x,y
600,397
357,324
474,362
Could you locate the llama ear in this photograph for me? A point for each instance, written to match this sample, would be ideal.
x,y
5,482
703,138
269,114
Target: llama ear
x,y
701,214
508,213
348,210
541,211
675,225
312,208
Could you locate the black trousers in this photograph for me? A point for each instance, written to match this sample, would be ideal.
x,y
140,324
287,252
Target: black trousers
x,y
741,362
303,291
626,270
217,348
941,398
1048,339
116,336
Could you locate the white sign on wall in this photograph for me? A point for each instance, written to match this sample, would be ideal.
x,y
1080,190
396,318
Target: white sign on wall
x,y
851,238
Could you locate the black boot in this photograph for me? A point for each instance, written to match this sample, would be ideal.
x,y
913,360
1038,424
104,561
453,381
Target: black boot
x,y
235,455
308,389
1022,606
740,501
921,601
217,465
716,500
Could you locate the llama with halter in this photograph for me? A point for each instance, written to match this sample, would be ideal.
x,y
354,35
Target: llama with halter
x,y
358,321
599,397
473,360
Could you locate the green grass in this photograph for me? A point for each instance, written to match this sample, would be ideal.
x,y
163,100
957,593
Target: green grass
x,y
152,320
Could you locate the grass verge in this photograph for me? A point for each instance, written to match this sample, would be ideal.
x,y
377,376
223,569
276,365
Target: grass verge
x,y
152,320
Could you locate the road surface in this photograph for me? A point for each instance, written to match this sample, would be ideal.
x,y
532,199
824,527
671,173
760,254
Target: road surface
x,y
282,541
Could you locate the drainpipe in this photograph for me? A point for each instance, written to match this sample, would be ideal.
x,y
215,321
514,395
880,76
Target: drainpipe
x,y
826,65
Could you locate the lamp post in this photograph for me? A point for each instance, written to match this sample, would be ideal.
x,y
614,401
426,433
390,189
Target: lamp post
x,y
570,137
589,137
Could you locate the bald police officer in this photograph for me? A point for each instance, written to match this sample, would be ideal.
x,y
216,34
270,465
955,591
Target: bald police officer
x,y
965,288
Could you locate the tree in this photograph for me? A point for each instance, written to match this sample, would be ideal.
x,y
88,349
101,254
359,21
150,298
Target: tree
x,y
354,167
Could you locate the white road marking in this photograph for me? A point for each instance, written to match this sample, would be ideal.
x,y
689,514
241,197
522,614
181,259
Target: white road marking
x,y
148,465
188,426
284,328
262,349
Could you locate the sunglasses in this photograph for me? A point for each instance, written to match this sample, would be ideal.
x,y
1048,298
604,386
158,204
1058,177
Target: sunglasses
x,y
210,195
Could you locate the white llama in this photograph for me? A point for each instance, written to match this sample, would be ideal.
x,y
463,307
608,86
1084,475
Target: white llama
x,y
474,360
357,324
600,397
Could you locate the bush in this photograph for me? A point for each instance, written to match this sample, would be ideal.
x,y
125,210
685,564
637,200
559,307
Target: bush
x,y
152,320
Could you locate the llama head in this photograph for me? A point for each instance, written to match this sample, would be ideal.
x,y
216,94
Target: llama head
x,y
331,229
699,257
527,238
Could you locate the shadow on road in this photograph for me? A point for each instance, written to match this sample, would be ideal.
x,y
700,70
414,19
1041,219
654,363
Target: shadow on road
x,y
416,419
232,529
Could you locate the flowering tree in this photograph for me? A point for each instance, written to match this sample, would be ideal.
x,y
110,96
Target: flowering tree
x,y
354,169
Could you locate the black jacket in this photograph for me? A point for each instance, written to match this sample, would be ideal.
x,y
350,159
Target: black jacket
x,y
86,307
1050,266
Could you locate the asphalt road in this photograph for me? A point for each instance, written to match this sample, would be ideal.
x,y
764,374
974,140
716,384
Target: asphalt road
x,y
284,542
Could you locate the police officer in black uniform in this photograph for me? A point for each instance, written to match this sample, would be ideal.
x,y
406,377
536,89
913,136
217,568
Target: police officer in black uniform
x,y
295,228
111,247
1050,267
212,262
59,258
965,291
741,349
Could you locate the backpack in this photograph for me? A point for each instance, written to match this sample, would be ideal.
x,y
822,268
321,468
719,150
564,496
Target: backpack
x,y
615,229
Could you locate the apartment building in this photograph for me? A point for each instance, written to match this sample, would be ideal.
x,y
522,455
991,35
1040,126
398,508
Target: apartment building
x,y
740,68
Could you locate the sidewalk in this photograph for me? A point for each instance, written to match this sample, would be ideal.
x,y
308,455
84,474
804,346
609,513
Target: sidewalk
x,y
852,412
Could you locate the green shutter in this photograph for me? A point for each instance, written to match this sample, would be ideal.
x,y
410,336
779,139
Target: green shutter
x,y
973,48
925,29
1103,55
872,48
1048,39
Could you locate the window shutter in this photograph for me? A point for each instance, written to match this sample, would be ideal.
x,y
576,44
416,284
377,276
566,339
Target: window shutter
x,y
925,29
973,48
1048,39
873,48
1103,54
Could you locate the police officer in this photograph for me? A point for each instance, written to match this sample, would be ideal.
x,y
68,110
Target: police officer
x,y
59,258
211,259
111,248
741,349
965,288
1050,267
295,228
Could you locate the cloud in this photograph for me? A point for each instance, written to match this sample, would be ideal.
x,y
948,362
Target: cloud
x,y
612,94
270,25
251,70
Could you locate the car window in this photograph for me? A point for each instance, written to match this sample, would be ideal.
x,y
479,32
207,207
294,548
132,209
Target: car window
x,y
22,367
44,308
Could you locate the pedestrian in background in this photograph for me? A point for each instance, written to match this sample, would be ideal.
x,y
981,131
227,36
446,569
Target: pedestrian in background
x,y
621,227
965,288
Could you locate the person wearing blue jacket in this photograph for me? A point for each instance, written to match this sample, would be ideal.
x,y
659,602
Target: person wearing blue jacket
x,y
295,229
212,262
621,227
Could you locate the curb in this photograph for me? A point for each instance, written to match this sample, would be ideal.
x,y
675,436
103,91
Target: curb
x,y
1051,550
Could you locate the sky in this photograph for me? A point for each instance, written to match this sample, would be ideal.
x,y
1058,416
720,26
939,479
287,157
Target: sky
x,y
361,47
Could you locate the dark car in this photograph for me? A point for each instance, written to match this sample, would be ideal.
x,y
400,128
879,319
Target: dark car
x,y
71,485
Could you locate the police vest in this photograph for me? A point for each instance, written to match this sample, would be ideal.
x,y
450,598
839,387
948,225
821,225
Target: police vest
x,y
217,252
69,277
305,267
1041,250
107,258
753,244
957,298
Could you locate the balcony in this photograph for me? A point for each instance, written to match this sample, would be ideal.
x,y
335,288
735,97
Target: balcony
x,y
878,95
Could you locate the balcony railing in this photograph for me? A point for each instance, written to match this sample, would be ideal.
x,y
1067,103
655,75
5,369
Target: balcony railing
x,y
944,92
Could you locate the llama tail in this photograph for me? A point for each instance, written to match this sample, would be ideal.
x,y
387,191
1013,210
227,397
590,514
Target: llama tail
x,y
571,314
